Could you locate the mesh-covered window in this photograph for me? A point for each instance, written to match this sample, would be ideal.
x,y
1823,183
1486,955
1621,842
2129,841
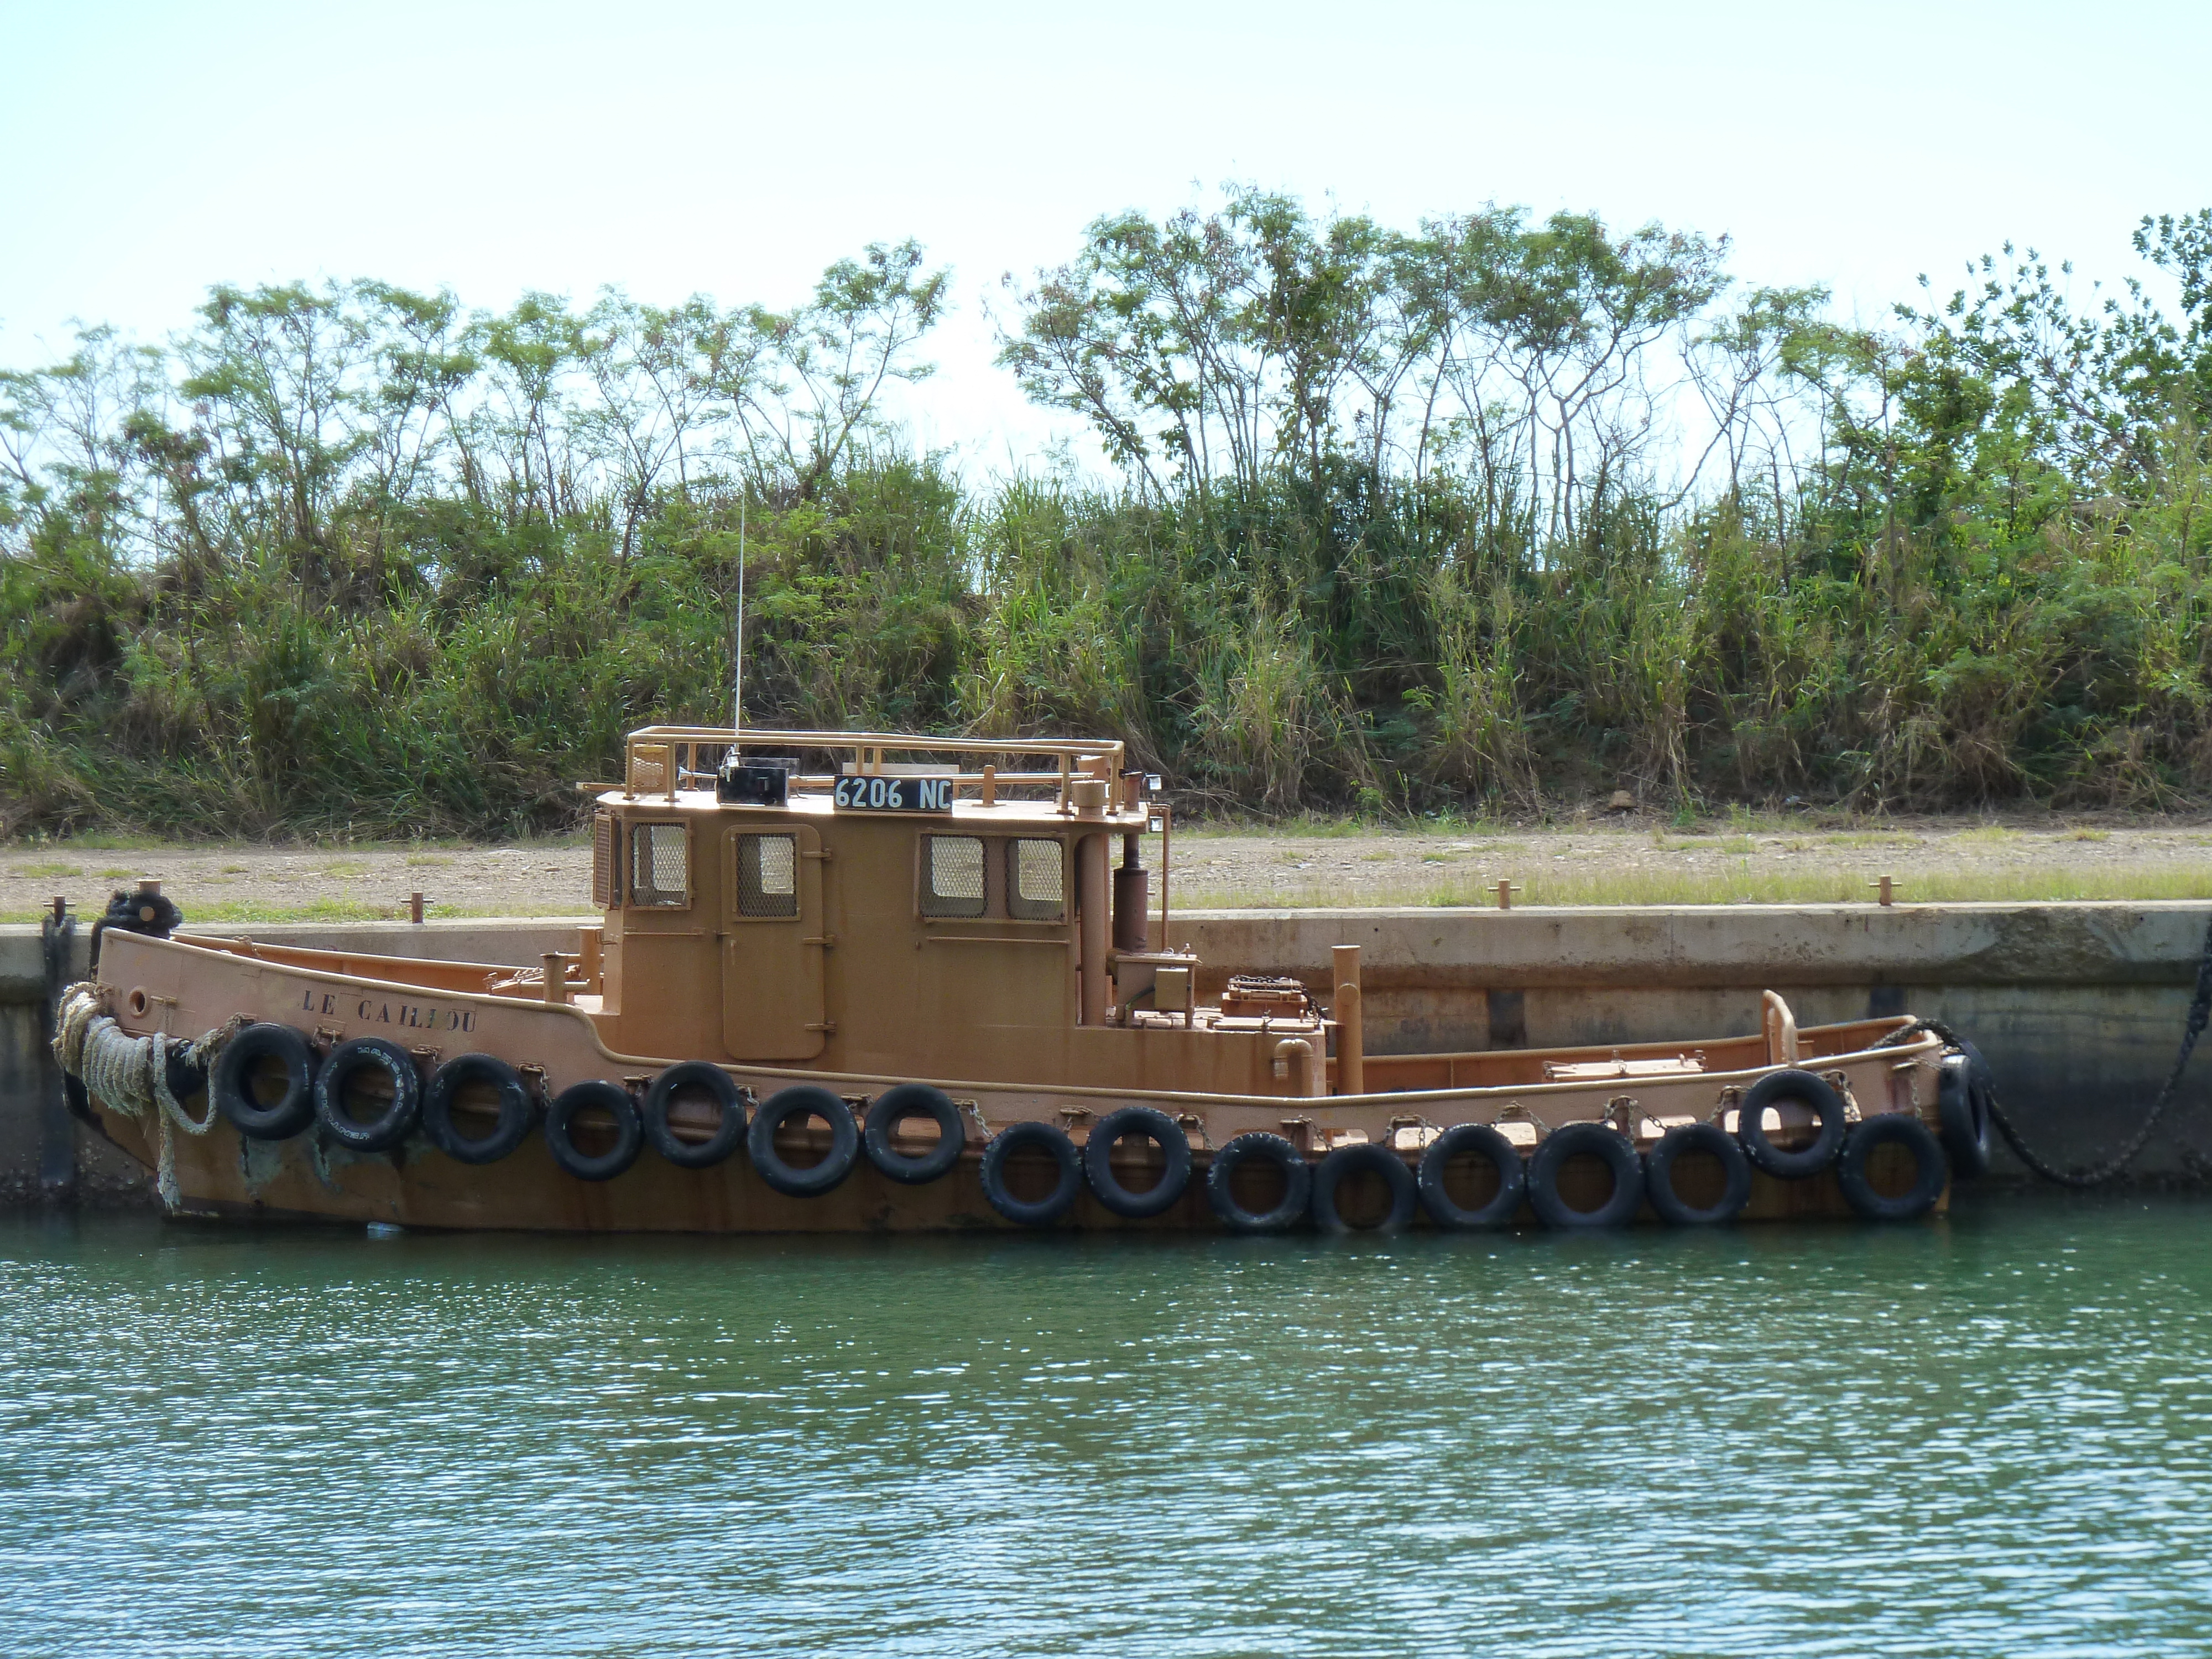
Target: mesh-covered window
x,y
1036,880
606,870
648,768
660,865
951,876
768,875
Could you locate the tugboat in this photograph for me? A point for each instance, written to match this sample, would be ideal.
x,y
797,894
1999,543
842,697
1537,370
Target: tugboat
x,y
850,982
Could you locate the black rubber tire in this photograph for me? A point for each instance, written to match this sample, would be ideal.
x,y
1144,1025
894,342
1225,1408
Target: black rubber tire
x,y
1350,1160
1163,1132
1962,1107
1659,1175
1610,1147
390,1127
1031,1212
803,1100
1814,1091
729,1134
894,1106
518,1108
1479,1140
1931,1171
234,1099
629,1131
1298,1184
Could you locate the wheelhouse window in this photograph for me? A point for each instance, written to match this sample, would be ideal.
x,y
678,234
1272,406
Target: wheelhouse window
x,y
951,876
660,867
1036,880
768,875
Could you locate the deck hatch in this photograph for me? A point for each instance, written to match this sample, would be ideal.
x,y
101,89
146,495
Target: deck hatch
x,y
773,958
951,876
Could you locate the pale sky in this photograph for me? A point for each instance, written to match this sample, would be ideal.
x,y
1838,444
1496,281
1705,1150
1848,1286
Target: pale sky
x,y
736,150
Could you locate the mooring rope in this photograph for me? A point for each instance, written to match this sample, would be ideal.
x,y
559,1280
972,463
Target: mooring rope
x,y
130,1075
2200,1011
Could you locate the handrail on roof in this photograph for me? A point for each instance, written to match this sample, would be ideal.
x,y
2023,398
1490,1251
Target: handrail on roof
x,y
753,736
652,763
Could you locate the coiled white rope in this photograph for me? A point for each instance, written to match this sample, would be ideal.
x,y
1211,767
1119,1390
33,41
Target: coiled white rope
x,y
130,1075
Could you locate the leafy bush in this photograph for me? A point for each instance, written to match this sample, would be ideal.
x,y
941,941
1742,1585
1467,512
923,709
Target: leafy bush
x,y
1406,522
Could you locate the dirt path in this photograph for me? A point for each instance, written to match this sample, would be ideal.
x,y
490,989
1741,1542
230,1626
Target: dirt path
x,y
1350,865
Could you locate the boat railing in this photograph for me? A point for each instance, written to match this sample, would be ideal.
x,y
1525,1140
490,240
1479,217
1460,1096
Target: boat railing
x,y
660,760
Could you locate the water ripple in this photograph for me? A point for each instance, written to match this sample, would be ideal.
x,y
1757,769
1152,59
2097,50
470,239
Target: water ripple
x,y
1988,1435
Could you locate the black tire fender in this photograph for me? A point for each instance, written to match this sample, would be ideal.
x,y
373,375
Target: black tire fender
x,y
230,1082
1350,1160
1477,1140
1659,1175
1297,1184
1978,1068
560,1139
1052,1140
1610,1147
803,1100
518,1108
1163,1132
893,1107
1930,1174
391,1126
1962,1109
1811,1090
728,1135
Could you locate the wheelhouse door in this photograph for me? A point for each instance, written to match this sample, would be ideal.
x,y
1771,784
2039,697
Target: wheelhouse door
x,y
772,944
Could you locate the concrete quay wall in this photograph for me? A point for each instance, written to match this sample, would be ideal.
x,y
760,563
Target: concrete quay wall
x,y
2078,1007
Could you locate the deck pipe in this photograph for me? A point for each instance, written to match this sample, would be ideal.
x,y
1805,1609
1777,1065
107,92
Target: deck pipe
x,y
1092,923
1133,899
1351,1036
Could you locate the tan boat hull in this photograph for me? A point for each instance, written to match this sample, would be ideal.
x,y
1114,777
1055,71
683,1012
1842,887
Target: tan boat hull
x,y
185,990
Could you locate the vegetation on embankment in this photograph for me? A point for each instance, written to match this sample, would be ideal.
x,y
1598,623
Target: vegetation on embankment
x,y
1480,518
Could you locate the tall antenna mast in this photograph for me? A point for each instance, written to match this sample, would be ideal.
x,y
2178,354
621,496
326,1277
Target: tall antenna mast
x,y
737,690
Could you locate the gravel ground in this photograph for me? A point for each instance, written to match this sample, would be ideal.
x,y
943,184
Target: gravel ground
x,y
1599,862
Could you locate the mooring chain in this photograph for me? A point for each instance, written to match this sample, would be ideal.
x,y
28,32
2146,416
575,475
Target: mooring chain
x,y
2200,1011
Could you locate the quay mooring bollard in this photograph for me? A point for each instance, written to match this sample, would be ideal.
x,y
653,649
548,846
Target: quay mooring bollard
x,y
1505,889
1885,891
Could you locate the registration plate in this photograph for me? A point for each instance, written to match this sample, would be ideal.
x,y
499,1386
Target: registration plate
x,y
895,794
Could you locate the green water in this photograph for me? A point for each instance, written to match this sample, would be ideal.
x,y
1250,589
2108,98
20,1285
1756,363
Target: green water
x,y
1988,1436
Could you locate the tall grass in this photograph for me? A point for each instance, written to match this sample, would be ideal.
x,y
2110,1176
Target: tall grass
x,y
1389,663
